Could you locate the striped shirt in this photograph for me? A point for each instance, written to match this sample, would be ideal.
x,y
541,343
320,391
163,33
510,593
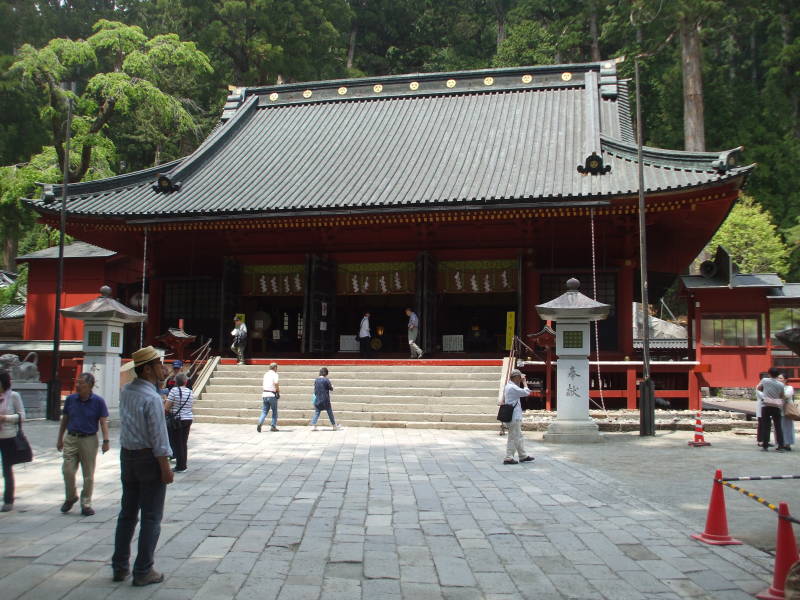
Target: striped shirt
x,y
181,397
141,418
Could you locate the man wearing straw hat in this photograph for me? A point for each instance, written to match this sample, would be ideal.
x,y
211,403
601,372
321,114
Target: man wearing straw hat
x,y
144,466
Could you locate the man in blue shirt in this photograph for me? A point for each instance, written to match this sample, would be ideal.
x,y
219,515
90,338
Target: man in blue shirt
x,y
145,470
82,414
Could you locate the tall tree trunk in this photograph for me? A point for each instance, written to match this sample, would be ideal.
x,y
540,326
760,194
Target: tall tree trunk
x,y
753,58
593,32
10,247
351,49
794,98
501,30
500,10
157,159
692,66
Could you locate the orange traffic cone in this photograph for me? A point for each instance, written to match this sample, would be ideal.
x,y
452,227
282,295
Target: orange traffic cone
x,y
785,556
699,440
716,532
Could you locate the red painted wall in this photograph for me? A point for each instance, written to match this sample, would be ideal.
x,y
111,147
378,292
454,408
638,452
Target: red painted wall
x,y
82,281
733,366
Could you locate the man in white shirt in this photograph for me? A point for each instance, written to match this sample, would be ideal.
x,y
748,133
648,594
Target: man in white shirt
x,y
513,393
271,392
364,336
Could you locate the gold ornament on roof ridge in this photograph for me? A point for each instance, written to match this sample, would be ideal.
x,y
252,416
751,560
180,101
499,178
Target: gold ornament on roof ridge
x,y
488,81
273,96
527,78
377,88
566,76
342,91
414,85
451,83
307,94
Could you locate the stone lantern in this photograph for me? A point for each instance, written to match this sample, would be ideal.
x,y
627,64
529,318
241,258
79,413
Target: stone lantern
x,y
104,319
572,312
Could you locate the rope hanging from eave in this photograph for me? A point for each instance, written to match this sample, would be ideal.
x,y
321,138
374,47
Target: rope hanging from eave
x,y
144,280
602,404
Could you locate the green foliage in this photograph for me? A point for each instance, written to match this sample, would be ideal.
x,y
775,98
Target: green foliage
x,y
117,73
527,44
752,240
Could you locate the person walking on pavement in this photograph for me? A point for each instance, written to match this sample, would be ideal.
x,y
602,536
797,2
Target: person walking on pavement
x,y
322,399
514,391
271,393
773,394
179,404
83,414
364,337
12,413
787,425
413,332
145,470
239,334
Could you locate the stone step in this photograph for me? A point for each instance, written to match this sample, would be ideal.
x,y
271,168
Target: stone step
x,y
360,367
454,381
323,424
412,395
376,392
477,406
348,415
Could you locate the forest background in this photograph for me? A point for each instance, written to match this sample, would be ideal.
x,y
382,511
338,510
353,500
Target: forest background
x,y
147,80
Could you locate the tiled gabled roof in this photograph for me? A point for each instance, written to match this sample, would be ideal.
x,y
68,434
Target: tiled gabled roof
x,y
466,139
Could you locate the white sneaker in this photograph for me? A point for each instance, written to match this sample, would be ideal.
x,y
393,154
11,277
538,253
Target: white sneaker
x,y
337,427
314,428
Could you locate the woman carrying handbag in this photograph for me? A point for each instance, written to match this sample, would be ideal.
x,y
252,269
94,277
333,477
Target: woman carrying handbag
x,y
788,418
12,414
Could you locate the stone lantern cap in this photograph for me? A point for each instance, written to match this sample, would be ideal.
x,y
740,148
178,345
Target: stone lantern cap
x,y
104,307
573,306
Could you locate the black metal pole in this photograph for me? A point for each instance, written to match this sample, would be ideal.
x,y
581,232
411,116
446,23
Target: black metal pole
x,y
647,404
54,397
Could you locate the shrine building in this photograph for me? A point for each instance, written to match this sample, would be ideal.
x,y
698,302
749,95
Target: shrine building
x,y
470,197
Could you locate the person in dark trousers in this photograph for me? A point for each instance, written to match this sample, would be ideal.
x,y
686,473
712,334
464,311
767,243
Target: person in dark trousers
x,y
145,470
413,332
773,391
83,414
179,404
239,334
12,413
322,399
365,337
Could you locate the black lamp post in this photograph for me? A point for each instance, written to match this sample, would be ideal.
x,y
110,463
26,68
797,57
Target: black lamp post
x,y
647,391
54,397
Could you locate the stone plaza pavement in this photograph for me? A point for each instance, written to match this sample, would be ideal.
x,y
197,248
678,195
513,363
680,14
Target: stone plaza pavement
x,y
386,513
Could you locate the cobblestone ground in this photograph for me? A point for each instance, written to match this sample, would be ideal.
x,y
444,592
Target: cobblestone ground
x,y
373,514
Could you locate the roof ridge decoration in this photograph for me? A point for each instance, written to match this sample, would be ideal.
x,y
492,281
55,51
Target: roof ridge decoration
x,y
426,84
722,161
594,162
170,181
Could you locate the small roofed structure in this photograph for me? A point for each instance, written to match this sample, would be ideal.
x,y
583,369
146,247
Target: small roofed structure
x,y
104,318
177,340
104,307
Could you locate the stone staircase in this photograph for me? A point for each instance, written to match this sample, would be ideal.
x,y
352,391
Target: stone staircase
x,y
418,395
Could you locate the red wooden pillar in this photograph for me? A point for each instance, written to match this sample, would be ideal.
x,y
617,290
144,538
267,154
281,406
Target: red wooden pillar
x,y
630,387
153,325
531,321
